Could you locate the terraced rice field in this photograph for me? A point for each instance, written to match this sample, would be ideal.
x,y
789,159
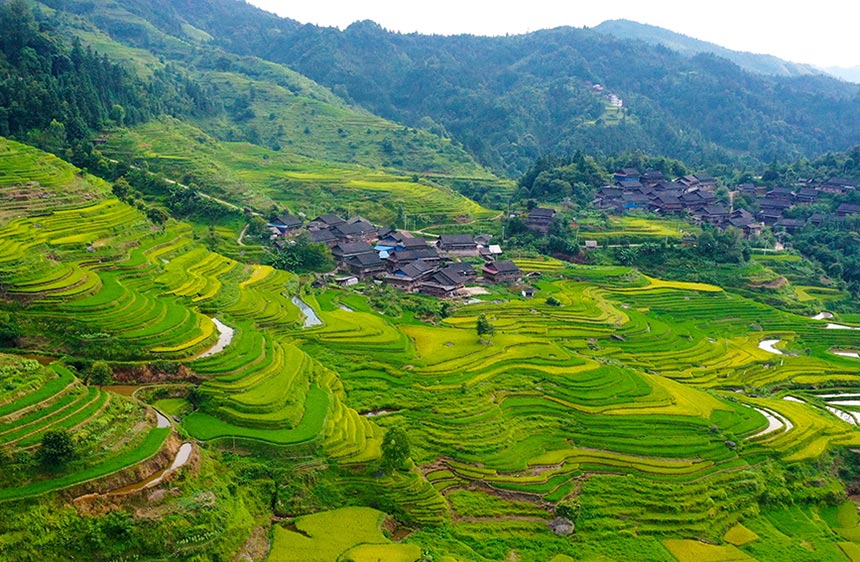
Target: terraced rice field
x,y
648,401
104,273
250,175
111,432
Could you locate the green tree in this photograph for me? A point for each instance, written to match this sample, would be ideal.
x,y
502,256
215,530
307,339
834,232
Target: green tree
x,y
100,373
57,448
395,450
484,327
157,215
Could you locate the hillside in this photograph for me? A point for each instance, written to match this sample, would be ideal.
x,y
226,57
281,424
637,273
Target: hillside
x,y
689,46
576,386
510,99
620,391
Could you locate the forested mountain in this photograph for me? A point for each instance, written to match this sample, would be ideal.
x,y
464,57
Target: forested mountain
x,y
510,99
753,62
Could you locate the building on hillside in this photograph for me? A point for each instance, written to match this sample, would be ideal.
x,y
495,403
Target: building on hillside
x,y
285,223
447,282
458,244
408,276
502,272
540,219
464,269
789,225
846,209
325,221
345,250
325,236
366,265
401,258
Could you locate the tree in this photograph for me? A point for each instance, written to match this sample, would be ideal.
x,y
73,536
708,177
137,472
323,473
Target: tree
x,y
100,374
395,450
484,327
57,448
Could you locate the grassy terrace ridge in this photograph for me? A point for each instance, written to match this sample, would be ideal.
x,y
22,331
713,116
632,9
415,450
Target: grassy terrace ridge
x,y
111,432
620,392
257,177
120,278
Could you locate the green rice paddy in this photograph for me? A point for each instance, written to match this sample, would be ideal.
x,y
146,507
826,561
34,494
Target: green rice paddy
x,y
641,399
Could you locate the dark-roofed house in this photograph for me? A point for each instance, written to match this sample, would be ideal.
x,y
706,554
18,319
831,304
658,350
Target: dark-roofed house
x,y
411,243
324,236
807,195
839,185
666,204
325,221
627,174
344,250
286,222
713,214
502,272
465,269
688,181
399,259
365,265
540,219
652,177
846,209
705,181
358,230
817,219
458,244
407,276
444,283
789,225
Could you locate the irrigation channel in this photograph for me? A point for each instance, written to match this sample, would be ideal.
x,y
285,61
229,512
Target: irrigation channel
x,y
768,345
225,336
154,479
311,318
774,422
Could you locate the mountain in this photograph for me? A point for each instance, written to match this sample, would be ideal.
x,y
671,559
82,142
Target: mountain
x,y
508,100
689,46
849,73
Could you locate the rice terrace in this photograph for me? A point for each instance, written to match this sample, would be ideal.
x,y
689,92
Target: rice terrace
x,y
258,304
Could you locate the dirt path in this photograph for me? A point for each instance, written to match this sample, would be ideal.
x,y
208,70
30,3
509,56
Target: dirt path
x,y
242,235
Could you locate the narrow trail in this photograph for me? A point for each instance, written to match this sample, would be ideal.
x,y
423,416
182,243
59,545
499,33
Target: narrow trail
x,y
242,235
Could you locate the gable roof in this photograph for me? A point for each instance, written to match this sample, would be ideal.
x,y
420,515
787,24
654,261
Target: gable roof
x,y
365,260
505,266
324,235
541,212
352,248
329,219
456,239
288,220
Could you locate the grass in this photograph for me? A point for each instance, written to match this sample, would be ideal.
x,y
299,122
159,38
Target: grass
x,y
257,177
151,444
207,427
358,537
695,551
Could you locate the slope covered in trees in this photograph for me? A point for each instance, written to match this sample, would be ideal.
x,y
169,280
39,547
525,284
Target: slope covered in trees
x,y
509,99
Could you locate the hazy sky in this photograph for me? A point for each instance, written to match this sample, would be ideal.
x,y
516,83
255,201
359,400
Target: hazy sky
x,y
823,32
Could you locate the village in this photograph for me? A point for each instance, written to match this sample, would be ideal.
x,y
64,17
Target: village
x,y
442,267
696,197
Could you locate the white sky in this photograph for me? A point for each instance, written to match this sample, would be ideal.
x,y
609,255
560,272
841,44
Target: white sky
x,y
824,32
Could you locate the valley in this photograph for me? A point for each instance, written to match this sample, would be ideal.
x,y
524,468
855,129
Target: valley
x,y
244,317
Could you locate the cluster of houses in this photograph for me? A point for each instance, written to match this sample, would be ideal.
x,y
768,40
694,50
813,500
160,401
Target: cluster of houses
x,y
694,196
396,257
773,202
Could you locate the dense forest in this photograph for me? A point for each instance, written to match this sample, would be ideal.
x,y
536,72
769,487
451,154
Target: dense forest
x,y
56,95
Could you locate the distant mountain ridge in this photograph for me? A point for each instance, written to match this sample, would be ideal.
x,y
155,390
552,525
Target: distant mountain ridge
x,y
505,100
689,46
